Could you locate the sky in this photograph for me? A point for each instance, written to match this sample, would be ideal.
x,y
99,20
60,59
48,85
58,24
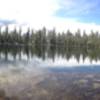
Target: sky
x,y
58,14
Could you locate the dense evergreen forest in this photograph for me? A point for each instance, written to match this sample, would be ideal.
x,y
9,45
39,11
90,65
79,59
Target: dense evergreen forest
x,y
49,38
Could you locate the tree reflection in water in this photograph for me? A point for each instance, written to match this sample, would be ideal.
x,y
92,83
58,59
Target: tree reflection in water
x,y
45,52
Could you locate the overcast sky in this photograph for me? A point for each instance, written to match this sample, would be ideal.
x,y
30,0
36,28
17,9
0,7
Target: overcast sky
x,y
61,14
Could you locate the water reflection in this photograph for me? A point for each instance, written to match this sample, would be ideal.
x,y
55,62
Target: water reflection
x,y
49,53
23,75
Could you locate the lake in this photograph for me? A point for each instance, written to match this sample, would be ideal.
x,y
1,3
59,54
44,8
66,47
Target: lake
x,y
42,73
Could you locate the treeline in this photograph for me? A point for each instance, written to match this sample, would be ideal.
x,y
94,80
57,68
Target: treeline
x,y
49,38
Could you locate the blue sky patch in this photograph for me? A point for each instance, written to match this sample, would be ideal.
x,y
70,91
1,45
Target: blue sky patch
x,y
82,10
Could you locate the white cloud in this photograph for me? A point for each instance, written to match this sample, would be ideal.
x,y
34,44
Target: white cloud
x,y
63,24
27,10
39,13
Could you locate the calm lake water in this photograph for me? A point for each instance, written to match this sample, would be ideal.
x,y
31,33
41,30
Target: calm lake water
x,y
28,73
